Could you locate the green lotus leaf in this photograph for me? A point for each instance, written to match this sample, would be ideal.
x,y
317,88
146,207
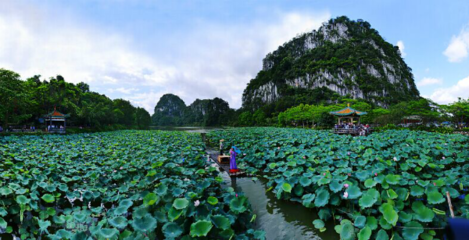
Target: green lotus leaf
x,y
200,228
64,234
372,223
347,231
392,179
416,191
174,214
404,217
80,216
212,200
434,197
3,212
3,223
180,203
118,222
360,221
335,186
172,230
324,214
5,191
238,205
423,214
389,214
272,165
366,201
48,198
354,192
305,181
286,187
322,198
140,212
412,230
161,190
144,224
369,183
22,200
382,235
221,222
365,233
120,210
151,199
43,225
318,224
126,203
391,194
108,233
298,190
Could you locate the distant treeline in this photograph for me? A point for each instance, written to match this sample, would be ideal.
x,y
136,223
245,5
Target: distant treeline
x,y
24,102
172,111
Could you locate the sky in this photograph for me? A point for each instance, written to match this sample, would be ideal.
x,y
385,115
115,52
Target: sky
x,y
141,49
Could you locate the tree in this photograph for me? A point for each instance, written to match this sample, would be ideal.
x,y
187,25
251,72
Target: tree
x,y
13,98
142,118
246,119
259,117
459,111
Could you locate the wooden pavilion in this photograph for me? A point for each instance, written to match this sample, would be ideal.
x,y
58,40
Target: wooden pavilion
x,y
56,122
347,114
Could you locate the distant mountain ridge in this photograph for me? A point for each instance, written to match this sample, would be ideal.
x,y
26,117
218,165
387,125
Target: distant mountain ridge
x,y
342,58
172,111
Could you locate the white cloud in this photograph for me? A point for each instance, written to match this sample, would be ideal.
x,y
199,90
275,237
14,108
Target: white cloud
x,y
211,60
401,46
429,81
451,94
458,47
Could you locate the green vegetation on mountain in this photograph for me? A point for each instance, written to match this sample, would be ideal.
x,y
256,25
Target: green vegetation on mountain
x,y
25,102
343,58
172,111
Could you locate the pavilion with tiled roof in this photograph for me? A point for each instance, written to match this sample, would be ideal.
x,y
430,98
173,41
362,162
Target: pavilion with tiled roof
x,y
57,118
348,113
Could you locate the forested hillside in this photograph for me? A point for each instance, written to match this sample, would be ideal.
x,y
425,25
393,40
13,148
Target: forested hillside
x,y
24,102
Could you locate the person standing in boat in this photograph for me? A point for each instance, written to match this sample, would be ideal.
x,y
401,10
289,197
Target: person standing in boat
x,y
233,167
221,146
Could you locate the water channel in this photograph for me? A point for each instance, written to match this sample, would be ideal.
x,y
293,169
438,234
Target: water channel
x,y
279,219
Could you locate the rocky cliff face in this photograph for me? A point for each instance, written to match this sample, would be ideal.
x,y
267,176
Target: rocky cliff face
x,y
169,111
346,57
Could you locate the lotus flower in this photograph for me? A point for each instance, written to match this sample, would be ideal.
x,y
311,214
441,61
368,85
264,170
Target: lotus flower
x,y
395,159
349,174
196,203
345,194
278,148
121,168
376,174
442,157
346,185
324,174
236,195
348,153
434,184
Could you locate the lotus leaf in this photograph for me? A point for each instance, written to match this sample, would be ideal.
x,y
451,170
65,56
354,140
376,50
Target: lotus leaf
x,y
322,198
286,187
151,199
347,231
434,197
172,230
422,213
118,222
180,203
412,230
365,233
389,214
238,205
221,222
144,224
48,198
382,235
200,228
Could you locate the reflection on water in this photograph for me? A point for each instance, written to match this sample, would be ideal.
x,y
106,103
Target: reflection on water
x,y
280,219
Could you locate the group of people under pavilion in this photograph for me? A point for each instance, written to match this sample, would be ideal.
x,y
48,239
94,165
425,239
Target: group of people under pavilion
x,y
346,123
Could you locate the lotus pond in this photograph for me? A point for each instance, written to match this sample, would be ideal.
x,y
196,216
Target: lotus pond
x,y
389,185
116,185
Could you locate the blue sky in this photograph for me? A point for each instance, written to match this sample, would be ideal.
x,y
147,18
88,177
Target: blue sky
x,y
140,49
